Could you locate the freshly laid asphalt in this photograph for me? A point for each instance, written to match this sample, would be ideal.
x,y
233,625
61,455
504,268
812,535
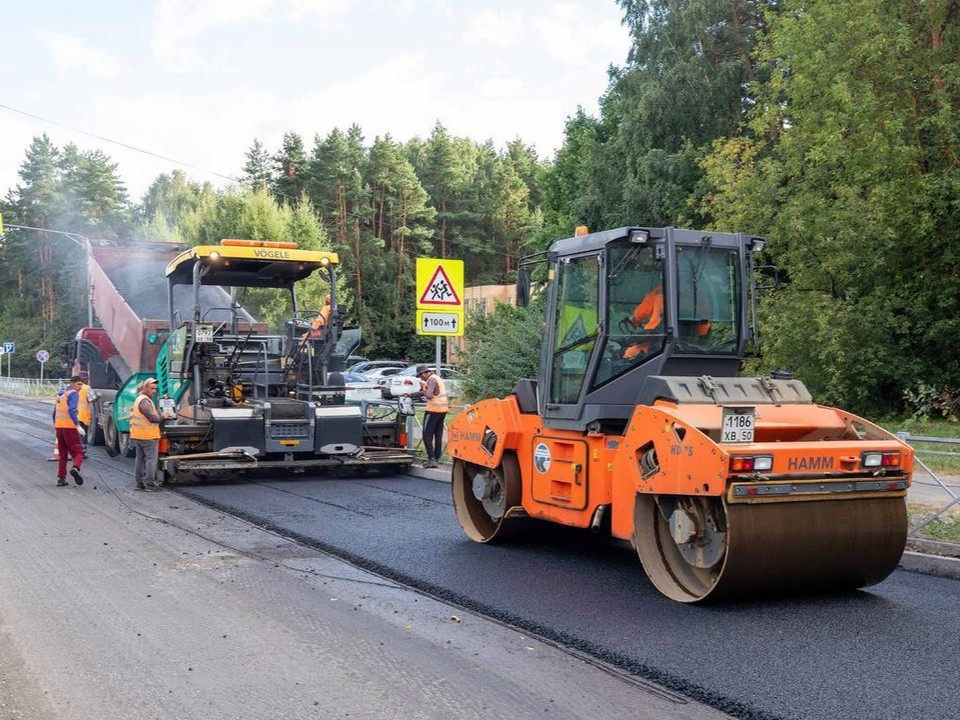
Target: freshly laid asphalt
x,y
884,652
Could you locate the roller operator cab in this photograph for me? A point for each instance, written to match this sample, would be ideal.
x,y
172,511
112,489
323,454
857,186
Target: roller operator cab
x,y
245,396
638,422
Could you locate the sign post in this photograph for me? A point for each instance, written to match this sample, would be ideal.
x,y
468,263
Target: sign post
x,y
42,357
8,349
439,299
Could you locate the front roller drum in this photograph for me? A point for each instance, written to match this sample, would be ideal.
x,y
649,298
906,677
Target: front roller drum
x,y
699,548
483,498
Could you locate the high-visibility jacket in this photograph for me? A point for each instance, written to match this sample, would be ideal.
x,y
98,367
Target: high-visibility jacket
x,y
439,402
140,426
61,414
647,315
83,405
320,321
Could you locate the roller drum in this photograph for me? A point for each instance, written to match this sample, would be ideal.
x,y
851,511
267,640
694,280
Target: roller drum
x,y
774,547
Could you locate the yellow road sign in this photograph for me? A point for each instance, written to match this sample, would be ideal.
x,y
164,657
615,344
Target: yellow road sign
x,y
439,284
439,296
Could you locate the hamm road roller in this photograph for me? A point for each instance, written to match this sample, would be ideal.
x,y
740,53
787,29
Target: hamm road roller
x,y
639,423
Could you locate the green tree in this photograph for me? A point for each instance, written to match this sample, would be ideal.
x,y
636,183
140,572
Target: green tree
x,y
851,170
43,292
168,200
682,87
502,348
257,172
290,169
446,166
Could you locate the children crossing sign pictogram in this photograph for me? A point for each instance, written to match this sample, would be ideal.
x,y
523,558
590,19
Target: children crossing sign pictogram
x,y
439,296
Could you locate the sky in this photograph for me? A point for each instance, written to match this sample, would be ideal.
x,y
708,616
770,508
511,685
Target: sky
x,y
196,81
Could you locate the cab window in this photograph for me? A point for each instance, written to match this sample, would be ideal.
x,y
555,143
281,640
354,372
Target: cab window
x,y
575,326
635,309
708,301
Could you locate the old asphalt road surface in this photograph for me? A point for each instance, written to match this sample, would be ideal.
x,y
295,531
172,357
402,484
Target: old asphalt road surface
x,y
116,604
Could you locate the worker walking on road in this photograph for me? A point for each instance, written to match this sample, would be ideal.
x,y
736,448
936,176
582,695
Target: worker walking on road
x,y
145,435
434,390
66,423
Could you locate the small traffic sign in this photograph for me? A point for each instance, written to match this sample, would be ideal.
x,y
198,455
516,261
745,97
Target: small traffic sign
x,y
439,323
42,356
9,347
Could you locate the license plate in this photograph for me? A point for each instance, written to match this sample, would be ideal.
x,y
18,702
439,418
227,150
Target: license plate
x,y
738,424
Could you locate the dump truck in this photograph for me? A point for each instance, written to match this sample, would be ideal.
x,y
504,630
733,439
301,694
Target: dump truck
x,y
128,295
640,425
247,400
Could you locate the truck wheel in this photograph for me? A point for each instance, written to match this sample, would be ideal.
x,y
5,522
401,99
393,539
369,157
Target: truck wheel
x,y
95,435
483,497
124,446
110,436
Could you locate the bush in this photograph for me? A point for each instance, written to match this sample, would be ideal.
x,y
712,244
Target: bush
x,y
502,348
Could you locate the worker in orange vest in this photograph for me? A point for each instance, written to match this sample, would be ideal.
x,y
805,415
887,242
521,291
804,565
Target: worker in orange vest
x,y
66,423
320,321
648,315
145,435
434,390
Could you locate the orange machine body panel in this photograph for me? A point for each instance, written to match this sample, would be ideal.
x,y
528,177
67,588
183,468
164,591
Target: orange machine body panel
x,y
566,475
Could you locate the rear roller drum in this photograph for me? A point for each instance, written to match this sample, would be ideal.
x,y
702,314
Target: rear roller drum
x,y
694,548
482,496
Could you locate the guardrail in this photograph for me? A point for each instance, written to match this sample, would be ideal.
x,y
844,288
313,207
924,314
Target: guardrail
x,y
912,440
31,387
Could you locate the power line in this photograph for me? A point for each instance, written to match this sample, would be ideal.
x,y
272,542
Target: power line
x,y
117,142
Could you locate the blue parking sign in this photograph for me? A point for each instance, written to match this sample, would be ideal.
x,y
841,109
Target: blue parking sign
x,y
9,347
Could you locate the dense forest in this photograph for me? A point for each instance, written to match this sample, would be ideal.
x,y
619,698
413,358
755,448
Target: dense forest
x,y
829,128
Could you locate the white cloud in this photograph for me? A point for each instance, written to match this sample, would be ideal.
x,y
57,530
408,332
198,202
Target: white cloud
x,y
325,10
73,55
503,28
178,23
571,38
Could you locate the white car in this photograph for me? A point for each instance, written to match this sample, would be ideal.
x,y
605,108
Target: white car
x,y
377,374
367,367
360,387
406,381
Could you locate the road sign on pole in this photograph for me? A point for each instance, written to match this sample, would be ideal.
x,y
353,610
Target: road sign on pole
x,y
439,297
9,347
42,357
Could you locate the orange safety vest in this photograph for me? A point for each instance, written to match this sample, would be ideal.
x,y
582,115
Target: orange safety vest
x,y
439,402
62,418
649,312
83,405
140,427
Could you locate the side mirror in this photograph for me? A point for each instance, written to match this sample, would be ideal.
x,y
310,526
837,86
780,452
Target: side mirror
x,y
523,287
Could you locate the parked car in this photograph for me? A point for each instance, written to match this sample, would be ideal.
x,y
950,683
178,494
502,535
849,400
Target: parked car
x,y
376,374
406,381
366,366
360,387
